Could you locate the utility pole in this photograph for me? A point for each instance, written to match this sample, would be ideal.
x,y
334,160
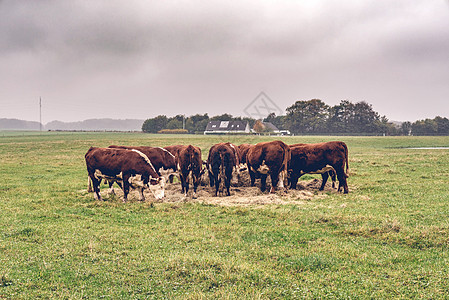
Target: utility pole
x,y
40,114
183,122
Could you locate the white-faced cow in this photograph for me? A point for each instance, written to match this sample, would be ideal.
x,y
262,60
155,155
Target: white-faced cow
x,y
268,158
129,168
314,157
221,162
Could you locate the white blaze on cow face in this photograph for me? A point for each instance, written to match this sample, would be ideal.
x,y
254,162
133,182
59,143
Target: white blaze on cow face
x,y
158,188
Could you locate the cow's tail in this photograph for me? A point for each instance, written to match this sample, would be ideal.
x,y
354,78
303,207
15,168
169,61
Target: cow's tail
x,y
287,159
346,159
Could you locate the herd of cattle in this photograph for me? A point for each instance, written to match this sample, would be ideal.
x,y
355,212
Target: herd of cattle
x,y
147,167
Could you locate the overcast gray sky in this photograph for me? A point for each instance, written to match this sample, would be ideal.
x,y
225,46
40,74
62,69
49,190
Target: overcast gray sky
x,y
139,59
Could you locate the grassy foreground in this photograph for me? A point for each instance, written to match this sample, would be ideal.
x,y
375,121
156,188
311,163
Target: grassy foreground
x,y
388,238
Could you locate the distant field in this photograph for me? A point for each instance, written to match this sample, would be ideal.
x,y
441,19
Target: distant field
x,y
388,238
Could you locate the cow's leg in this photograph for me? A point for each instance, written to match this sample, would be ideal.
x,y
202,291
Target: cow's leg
x,y
263,182
211,178
333,177
196,182
293,180
96,187
111,187
89,185
324,176
275,181
217,183
183,182
141,195
186,184
282,179
252,176
125,188
228,183
342,183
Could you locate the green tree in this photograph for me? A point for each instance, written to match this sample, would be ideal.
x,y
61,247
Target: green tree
x,y
307,116
174,123
155,124
442,125
223,117
340,117
406,128
197,123
425,127
365,119
277,121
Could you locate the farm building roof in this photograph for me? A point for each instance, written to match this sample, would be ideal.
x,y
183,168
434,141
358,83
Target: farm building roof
x,y
270,126
227,126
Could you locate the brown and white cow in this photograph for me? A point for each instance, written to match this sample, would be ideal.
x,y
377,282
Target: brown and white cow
x,y
189,164
222,160
325,172
268,158
314,157
130,168
161,158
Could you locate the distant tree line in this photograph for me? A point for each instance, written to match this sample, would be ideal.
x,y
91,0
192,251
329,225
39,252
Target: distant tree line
x,y
193,124
313,117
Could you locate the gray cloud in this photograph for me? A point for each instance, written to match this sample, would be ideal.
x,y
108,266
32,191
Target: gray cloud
x,y
88,58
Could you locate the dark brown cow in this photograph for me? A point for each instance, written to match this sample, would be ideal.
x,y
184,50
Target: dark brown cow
x,y
314,157
243,149
173,149
131,168
268,158
222,160
189,162
159,157
325,173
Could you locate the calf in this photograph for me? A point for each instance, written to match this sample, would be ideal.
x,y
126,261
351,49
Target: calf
x,y
189,164
268,158
130,168
315,157
222,160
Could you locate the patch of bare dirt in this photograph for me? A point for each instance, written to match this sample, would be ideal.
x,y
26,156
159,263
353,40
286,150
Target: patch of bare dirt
x,y
241,194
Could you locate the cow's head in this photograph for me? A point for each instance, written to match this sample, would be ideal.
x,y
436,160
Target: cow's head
x,y
157,187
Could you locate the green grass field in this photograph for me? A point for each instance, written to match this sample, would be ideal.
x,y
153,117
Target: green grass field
x,y
388,238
